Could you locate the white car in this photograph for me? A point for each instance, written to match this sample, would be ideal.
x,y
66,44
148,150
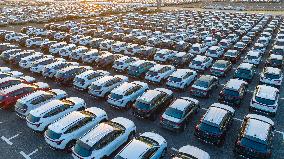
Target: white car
x,y
263,40
67,50
51,69
104,139
11,74
253,57
164,55
190,152
35,42
5,69
55,48
27,61
84,80
78,53
143,145
103,86
124,95
106,45
201,63
271,76
210,41
121,64
198,49
90,56
265,100
37,99
85,41
63,133
181,78
159,73
118,47
214,52
39,65
39,118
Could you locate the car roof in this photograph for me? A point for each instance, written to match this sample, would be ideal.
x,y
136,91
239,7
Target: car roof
x,y
158,67
206,77
103,80
46,107
234,84
253,53
123,88
278,57
135,149
215,115
246,66
13,88
253,129
272,70
179,73
34,95
194,151
65,122
180,104
200,58
149,95
266,92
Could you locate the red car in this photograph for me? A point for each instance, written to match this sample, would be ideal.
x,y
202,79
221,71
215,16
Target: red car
x,y
10,95
11,81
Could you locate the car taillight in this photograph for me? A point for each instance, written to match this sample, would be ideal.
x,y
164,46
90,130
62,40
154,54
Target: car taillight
x,y
197,128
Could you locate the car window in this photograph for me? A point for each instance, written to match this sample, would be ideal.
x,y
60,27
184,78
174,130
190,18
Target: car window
x,y
38,100
52,112
150,153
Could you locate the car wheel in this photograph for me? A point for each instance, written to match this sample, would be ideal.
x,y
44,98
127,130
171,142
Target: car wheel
x,y
153,117
163,155
184,126
69,146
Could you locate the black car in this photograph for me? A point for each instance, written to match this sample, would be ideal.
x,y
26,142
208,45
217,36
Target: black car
x,y
147,53
275,61
203,86
178,114
255,138
149,104
245,71
214,124
232,55
45,46
106,60
66,75
181,59
233,92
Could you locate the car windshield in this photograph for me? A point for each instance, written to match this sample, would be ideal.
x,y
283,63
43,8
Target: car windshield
x,y
116,96
195,48
251,57
175,79
95,87
231,53
201,83
53,135
133,68
184,156
265,101
142,105
209,128
194,62
174,113
219,65
152,73
33,119
278,51
231,92
82,149
244,71
253,144
79,80
275,61
272,76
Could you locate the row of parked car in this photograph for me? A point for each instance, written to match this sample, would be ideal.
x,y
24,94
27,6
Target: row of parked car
x,y
119,95
58,11
66,119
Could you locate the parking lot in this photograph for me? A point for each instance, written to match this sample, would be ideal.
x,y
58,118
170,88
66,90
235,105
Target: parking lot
x,y
19,141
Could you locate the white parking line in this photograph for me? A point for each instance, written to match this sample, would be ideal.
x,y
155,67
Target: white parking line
x,y
8,141
280,132
203,108
238,119
27,156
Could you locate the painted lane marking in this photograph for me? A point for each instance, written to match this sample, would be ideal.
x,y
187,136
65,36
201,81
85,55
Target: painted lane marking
x,y
280,132
27,156
8,141
238,119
